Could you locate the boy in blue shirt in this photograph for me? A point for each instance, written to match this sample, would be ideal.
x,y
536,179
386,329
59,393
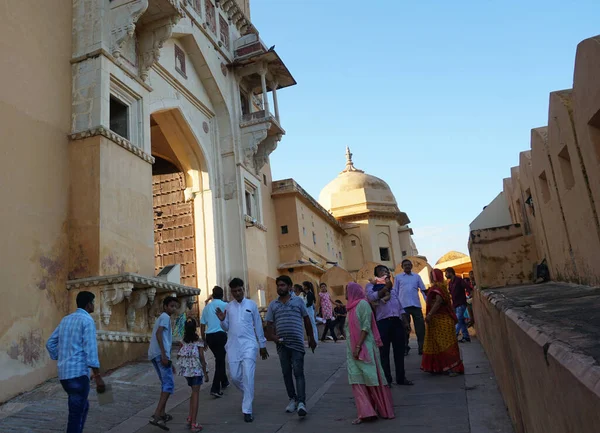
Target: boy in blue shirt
x,y
159,353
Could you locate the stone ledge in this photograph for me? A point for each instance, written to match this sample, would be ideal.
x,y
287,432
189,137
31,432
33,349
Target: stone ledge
x,y
138,281
115,138
570,339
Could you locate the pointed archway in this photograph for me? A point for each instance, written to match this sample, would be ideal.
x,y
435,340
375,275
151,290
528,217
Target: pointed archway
x,y
182,202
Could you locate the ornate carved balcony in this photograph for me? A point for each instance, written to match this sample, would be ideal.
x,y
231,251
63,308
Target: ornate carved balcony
x,y
260,134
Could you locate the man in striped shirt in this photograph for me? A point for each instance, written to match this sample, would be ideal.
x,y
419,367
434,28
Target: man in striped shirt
x,y
73,344
285,319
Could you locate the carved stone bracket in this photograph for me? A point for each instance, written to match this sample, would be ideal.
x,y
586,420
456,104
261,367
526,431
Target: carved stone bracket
x,y
123,19
138,299
111,295
265,148
251,142
151,39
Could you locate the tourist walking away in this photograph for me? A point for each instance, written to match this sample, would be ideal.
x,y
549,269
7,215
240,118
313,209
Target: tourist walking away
x,y
391,329
440,351
192,365
340,318
159,353
215,339
309,289
371,395
327,312
73,344
243,324
458,291
286,320
408,284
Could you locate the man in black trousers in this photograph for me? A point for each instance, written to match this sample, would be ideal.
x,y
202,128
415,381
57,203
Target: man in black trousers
x,y
215,339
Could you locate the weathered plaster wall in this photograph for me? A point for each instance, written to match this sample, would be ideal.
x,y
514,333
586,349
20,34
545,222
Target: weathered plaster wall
x,y
571,181
538,384
34,174
586,113
502,256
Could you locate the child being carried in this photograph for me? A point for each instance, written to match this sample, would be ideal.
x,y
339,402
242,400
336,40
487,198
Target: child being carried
x,y
382,277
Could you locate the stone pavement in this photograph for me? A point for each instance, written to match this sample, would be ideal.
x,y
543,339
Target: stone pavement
x,y
464,404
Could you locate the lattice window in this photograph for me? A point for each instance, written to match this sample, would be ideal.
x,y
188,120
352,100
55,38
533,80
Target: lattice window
x,y
211,18
224,31
196,5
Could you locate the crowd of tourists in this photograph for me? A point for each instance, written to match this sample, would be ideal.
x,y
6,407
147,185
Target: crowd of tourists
x,y
375,322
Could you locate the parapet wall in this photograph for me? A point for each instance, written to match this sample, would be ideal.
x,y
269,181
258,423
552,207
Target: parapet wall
x,y
549,384
502,256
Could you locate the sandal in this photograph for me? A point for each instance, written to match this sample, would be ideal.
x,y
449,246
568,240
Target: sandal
x,y
357,421
167,417
406,382
158,422
196,428
188,422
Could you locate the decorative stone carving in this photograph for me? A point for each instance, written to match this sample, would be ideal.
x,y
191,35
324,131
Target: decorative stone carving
x,y
123,18
151,40
112,295
251,143
138,299
125,337
265,148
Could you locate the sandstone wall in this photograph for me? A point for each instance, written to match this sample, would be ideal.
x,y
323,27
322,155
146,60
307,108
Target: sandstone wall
x,y
35,114
554,193
502,256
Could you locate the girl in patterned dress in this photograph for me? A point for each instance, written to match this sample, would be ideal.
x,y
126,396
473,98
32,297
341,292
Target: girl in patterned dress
x,y
327,312
192,365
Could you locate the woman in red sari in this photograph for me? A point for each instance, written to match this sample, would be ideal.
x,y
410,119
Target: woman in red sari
x,y
441,353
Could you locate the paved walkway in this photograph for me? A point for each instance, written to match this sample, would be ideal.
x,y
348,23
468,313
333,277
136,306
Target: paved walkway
x,y
464,404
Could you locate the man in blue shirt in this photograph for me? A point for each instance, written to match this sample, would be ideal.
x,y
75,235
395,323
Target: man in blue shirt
x,y
216,339
408,284
73,344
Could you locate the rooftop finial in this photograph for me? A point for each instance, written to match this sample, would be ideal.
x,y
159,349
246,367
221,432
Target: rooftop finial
x,y
349,163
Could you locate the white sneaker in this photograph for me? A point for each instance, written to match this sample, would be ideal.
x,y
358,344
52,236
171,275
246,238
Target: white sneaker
x,y
291,408
302,410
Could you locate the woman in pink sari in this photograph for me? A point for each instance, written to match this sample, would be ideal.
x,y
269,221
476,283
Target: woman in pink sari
x,y
371,391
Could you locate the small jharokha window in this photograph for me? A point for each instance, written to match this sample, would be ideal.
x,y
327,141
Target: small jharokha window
x,y
384,254
180,61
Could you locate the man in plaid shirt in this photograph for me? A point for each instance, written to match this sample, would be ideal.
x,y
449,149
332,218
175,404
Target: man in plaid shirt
x,y
73,344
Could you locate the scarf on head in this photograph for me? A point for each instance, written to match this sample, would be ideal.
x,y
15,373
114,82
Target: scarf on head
x,y
439,288
356,294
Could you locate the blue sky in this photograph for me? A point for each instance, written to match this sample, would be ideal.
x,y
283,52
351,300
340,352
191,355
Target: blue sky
x,y
436,97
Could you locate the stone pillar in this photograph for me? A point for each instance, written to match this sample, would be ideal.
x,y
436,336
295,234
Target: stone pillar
x,y
275,104
263,82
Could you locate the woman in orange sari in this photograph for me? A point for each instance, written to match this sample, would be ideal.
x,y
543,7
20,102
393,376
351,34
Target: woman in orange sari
x,y
441,353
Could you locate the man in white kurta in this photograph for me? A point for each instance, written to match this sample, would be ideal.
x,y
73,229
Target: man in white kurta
x,y
245,336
